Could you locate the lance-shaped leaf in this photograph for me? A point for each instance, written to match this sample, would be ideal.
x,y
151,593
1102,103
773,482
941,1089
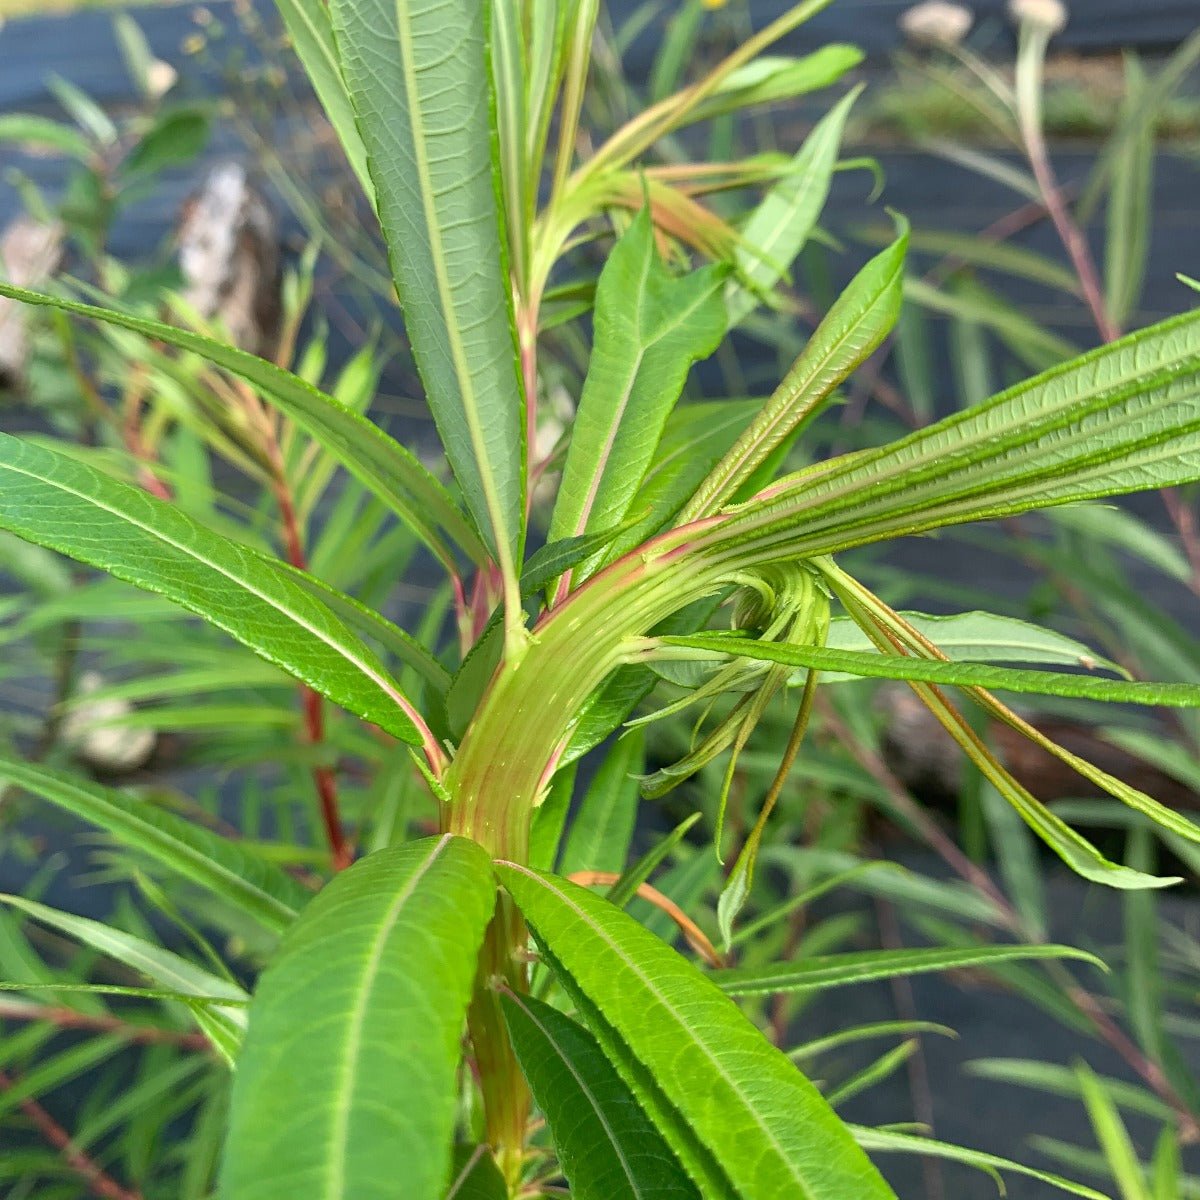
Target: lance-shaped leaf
x,y
838,970
953,674
222,1022
962,637
346,1081
225,868
852,330
418,75
781,224
383,466
771,78
55,501
1122,418
311,31
890,1140
607,1147
649,328
894,635
734,1109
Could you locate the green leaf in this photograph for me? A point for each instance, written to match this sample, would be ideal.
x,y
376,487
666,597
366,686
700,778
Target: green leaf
x,y
223,1023
695,438
889,1140
781,224
237,876
984,637
1124,531
58,502
1113,1136
734,1109
359,1017
418,76
176,137
770,78
1130,204
852,329
607,1147
632,878
1167,1169
311,30
389,471
650,327
837,970
873,665
600,834
475,1176
1062,1081
1121,418
29,129
1004,257
886,1065
549,819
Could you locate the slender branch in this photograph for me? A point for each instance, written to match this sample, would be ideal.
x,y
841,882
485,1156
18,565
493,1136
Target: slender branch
x,y
324,779
1029,114
70,1018
98,1181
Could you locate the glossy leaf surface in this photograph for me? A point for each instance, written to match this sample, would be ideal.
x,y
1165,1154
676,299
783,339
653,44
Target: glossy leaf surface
x,y
70,507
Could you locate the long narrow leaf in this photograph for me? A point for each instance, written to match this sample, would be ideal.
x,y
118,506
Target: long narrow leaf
x,y
812,974
384,467
345,1085
418,75
55,501
649,329
606,1145
954,674
223,867
741,1100
1122,418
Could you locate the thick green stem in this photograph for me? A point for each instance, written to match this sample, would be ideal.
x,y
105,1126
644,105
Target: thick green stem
x,y
505,762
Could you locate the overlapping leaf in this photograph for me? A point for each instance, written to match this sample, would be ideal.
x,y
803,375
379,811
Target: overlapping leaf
x,y
418,76
738,1114
345,1084
58,502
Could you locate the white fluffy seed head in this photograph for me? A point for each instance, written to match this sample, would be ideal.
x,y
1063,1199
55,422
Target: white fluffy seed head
x,y
1047,15
936,23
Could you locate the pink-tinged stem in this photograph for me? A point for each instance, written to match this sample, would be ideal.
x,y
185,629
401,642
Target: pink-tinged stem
x,y
99,1182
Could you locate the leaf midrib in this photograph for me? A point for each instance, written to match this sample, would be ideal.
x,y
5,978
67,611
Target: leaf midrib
x,y
340,1107
437,253
651,986
340,650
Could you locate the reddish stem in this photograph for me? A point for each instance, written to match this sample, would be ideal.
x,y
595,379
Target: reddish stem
x,y
100,1183
70,1018
324,779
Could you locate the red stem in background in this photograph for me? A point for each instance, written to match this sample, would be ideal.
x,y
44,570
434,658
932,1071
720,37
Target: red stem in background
x,y
70,1018
323,776
100,1183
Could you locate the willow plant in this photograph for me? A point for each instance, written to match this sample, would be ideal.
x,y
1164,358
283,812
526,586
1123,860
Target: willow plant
x,y
352,1075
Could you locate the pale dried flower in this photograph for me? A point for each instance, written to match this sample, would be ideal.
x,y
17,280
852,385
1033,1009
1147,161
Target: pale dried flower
x,y
160,78
107,747
936,23
1049,16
